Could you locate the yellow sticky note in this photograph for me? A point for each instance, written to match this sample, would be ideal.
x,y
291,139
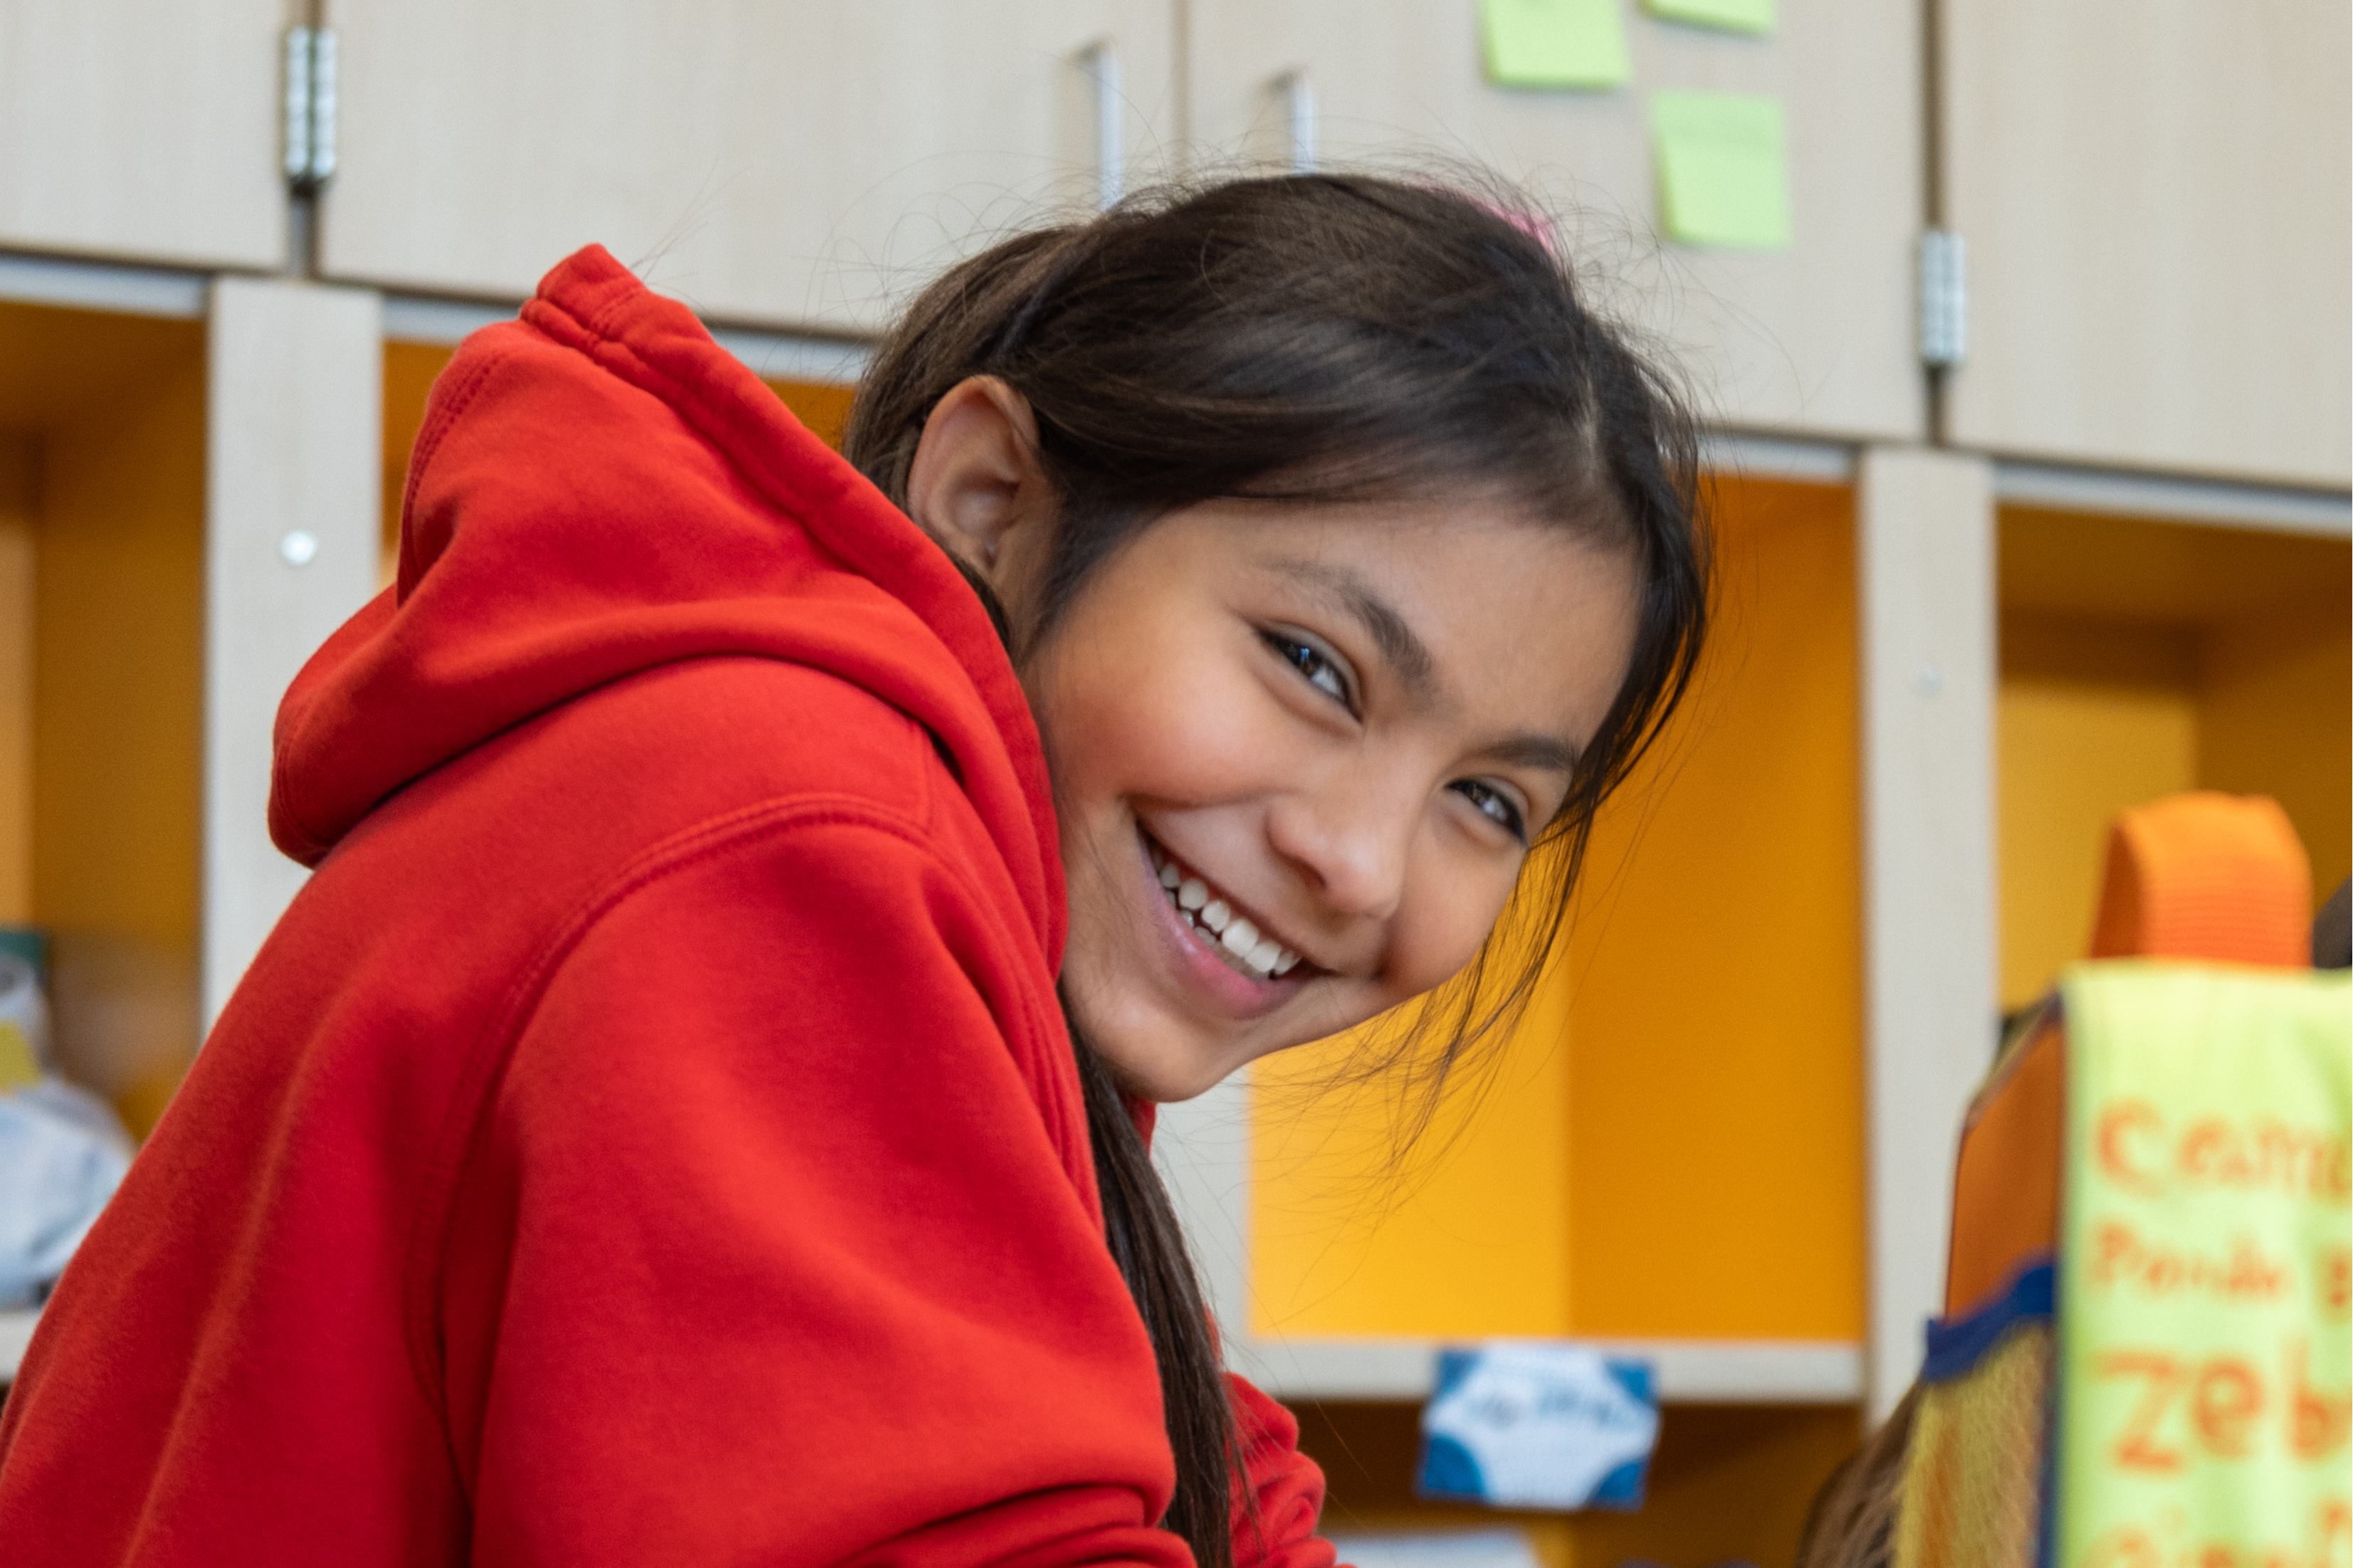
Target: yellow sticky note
x,y
1554,43
1732,15
2205,1252
1724,169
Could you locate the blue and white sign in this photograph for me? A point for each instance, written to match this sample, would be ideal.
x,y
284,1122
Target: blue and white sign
x,y
1538,1424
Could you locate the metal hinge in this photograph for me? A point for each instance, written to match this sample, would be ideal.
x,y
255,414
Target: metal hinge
x,y
1944,299
310,106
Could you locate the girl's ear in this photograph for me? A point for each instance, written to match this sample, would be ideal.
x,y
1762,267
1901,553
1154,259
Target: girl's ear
x,y
976,486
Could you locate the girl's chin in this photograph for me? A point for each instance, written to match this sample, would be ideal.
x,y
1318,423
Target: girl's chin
x,y
1165,1074
1157,1052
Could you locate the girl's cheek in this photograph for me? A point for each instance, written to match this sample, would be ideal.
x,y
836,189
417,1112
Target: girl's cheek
x,y
1449,916
1190,737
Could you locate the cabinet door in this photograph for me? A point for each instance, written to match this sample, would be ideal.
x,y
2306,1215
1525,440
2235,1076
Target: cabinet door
x,y
1818,337
144,129
2154,198
777,162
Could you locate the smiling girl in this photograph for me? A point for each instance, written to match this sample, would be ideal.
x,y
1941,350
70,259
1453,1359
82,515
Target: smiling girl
x,y
697,1111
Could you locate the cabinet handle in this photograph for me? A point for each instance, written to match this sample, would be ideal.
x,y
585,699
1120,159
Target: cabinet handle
x,y
1101,62
1295,96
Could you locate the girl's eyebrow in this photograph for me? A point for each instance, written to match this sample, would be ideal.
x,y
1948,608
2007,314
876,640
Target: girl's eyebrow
x,y
1400,644
1533,750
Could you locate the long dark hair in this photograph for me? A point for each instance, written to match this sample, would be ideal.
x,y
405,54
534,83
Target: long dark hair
x,y
1310,339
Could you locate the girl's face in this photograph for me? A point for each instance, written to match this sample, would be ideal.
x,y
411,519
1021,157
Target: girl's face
x,y
1299,757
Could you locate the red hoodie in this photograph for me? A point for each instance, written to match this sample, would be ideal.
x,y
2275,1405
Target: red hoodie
x,y
651,1135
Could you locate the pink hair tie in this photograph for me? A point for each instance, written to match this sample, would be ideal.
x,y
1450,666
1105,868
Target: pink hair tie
x,y
1536,228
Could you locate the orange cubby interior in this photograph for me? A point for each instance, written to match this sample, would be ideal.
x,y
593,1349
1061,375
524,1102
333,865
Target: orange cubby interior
x,y
2140,657
101,680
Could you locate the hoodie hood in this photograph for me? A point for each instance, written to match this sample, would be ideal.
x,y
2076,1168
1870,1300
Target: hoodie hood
x,y
598,489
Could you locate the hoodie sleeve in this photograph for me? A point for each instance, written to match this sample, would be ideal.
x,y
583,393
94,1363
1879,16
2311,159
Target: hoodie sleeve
x,y
772,1249
1275,1527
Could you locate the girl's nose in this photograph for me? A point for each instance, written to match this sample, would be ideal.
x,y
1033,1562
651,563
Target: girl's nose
x,y
1349,841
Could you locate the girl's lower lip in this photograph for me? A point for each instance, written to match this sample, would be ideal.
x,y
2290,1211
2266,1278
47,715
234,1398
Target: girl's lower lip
x,y
1235,994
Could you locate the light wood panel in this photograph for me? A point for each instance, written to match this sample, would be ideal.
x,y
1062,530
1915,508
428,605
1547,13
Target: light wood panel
x,y
1819,338
795,164
144,129
295,372
2156,201
1926,527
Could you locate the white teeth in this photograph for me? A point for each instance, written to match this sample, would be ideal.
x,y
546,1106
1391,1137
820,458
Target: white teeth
x,y
1239,938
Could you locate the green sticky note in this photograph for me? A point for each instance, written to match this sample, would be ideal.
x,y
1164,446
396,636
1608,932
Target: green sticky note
x,y
2204,1334
1724,169
1732,15
1554,43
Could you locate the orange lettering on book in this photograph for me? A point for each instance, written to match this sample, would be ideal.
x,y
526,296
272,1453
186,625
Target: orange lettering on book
x,y
2116,1122
2228,1400
2317,1425
2137,1447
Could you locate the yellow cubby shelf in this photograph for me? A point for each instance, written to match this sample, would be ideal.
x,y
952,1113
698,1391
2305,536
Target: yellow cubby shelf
x,y
101,680
2142,657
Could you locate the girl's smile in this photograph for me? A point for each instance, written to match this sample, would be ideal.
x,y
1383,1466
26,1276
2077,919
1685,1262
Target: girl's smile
x,y
1205,921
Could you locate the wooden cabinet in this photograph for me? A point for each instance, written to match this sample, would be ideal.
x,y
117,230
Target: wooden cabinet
x,y
293,377
1818,337
800,165
2154,198
142,129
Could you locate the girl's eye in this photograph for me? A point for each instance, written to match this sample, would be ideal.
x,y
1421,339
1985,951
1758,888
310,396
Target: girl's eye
x,y
1496,806
1320,672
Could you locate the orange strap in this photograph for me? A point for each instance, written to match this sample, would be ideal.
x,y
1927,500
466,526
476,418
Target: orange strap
x,y
2206,877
